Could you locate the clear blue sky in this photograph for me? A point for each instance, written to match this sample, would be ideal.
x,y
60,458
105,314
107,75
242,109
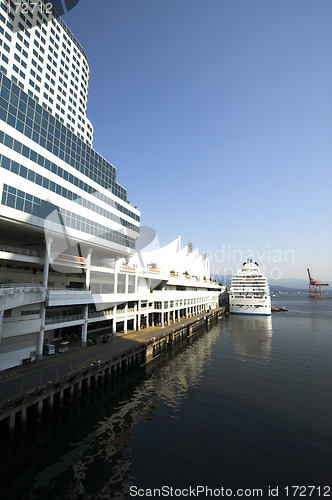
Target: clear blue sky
x,y
217,115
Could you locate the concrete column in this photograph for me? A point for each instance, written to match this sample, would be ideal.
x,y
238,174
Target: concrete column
x,y
40,410
135,317
79,389
125,322
51,404
88,270
61,398
116,276
11,424
114,321
1,321
40,340
139,315
126,283
84,336
136,283
147,315
24,419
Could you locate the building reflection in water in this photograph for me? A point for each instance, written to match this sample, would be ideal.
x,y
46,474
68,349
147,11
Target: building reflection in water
x,y
107,447
251,337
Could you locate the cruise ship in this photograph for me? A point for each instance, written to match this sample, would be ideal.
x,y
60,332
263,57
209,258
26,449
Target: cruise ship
x,y
71,245
249,292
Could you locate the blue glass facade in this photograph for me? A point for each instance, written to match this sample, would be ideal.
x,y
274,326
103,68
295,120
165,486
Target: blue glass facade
x,y
32,205
26,173
29,153
28,117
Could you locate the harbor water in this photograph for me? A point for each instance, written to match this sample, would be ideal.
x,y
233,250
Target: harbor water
x,y
244,409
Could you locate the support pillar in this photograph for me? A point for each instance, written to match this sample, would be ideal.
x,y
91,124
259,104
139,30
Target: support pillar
x,y
125,322
139,315
114,322
88,270
24,419
116,276
147,315
40,340
51,404
1,321
40,410
126,283
135,317
61,398
11,424
84,336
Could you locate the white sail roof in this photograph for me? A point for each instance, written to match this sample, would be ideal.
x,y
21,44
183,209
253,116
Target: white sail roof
x,y
172,257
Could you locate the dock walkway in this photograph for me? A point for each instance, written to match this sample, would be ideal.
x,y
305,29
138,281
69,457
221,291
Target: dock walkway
x,y
27,385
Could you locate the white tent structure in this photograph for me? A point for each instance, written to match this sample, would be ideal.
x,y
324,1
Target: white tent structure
x,y
173,259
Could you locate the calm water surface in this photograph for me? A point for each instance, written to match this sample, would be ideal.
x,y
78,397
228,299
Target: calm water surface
x,y
246,405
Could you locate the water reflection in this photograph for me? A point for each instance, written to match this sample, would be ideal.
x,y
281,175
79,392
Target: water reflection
x,y
251,337
100,465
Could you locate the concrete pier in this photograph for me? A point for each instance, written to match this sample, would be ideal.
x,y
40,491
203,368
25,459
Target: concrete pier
x,y
119,357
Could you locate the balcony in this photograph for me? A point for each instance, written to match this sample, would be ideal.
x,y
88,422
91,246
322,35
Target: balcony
x,y
70,296
19,254
64,319
20,294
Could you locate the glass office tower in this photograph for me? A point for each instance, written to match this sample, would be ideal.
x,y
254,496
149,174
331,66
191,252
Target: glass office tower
x,y
68,266
61,209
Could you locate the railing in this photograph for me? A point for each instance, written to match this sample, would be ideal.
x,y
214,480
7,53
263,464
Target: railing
x,y
63,319
100,314
20,251
71,289
25,286
102,264
123,311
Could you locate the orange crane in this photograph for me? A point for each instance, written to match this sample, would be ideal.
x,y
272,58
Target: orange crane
x,y
315,287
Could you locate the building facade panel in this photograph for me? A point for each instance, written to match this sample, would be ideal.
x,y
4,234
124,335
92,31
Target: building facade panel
x,y
68,260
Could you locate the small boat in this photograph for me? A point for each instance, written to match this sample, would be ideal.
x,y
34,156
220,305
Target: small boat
x,y
278,309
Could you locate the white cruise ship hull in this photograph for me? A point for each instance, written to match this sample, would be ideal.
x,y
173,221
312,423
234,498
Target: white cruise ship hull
x,y
249,292
243,305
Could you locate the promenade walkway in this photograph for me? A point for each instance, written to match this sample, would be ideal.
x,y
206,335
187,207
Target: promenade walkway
x,y
25,378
